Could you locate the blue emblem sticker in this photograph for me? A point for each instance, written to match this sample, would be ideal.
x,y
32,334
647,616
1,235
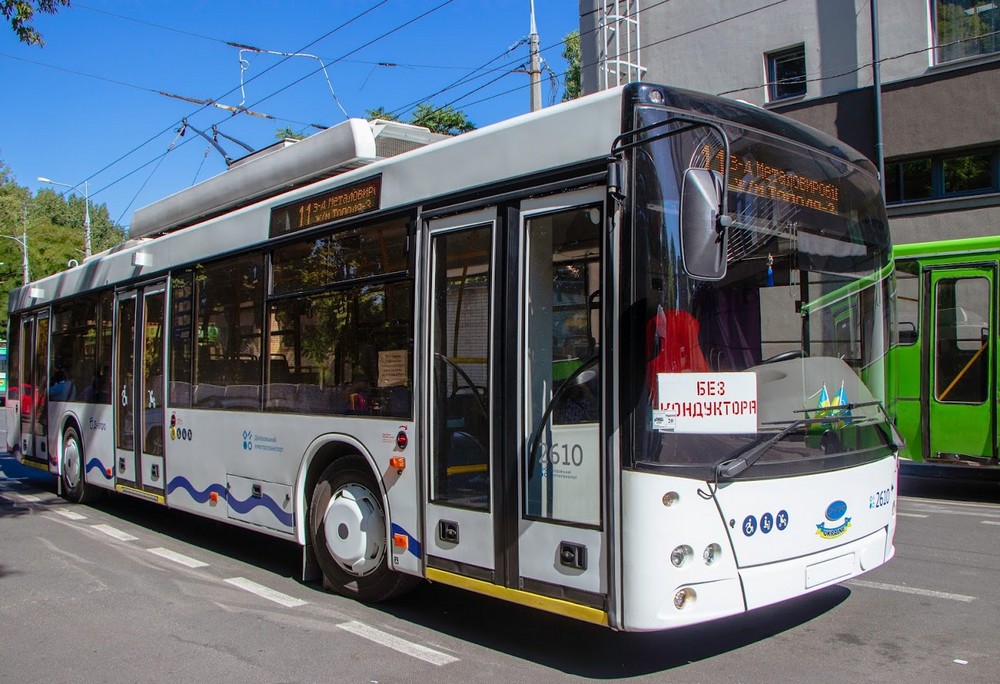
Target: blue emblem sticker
x,y
782,519
836,510
836,513
749,525
766,523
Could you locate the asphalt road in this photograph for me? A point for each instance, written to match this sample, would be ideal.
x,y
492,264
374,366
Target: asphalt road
x,y
126,590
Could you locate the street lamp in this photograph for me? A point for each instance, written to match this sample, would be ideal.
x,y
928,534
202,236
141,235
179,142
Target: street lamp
x,y
23,242
86,211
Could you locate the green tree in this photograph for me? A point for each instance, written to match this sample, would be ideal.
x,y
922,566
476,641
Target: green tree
x,y
287,133
20,13
446,120
571,53
53,224
380,113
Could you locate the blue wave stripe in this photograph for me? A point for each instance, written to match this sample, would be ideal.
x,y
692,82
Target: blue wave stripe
x,y
243,507
95,464
412,544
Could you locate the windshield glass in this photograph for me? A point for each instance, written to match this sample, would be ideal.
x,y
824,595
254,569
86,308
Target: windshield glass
x,y
796,329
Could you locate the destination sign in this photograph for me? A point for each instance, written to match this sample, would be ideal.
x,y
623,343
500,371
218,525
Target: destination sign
x,y
350,200
763,180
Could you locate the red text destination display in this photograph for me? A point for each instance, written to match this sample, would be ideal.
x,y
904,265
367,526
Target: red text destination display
x,y
333,205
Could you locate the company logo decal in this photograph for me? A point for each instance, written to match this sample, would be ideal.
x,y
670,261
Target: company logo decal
x,y
836,516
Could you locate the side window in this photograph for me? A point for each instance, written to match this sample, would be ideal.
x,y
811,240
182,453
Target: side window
x,y
960,337
181,338
907,302
74,372
228,365
340,323
345,353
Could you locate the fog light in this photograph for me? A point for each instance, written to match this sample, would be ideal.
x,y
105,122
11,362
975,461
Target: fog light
x,y
712,553
670,498
681,555
683,597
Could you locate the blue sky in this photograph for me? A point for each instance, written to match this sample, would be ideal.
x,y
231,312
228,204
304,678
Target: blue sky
x,y
87,106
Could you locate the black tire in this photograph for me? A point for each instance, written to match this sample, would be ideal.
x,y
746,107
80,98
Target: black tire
x,y
73,469
347,531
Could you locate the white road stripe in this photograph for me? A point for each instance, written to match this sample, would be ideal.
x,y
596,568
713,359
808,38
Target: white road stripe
x,y
72,515
30,498
911,515
186,561
397,644
913,590
990,522
114,532
265,592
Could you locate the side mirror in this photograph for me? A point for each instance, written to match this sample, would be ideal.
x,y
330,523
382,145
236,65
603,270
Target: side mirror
x,y
704,238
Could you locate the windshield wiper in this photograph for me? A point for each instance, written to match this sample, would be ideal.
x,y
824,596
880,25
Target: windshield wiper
x,y
743,459
746,457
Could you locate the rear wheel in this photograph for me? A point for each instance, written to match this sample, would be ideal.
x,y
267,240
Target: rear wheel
x,y
347,530
74,481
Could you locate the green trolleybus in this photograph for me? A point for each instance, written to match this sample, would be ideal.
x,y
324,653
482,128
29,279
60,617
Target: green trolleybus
x,y
622,359
945,360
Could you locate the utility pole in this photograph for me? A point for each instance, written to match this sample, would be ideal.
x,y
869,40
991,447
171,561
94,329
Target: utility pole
x,y
535,68
877,88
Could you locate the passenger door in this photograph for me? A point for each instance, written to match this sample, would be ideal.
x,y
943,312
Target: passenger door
x,y
139,391
962,375
33,391
514,377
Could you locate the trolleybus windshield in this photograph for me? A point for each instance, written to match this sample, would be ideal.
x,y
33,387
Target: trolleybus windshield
x,y
795,330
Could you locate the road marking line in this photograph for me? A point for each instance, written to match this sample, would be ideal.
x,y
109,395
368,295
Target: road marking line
x,y
911,515
397,644
265,592
990,522
178,557
72,515
960,662
30,498
913,590
114,532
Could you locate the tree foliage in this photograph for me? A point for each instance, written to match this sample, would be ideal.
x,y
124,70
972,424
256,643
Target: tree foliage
x,y
287,133
446,120
20,13
571,53
53,225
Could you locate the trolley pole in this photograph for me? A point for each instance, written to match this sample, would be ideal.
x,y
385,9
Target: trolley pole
x,y
535,68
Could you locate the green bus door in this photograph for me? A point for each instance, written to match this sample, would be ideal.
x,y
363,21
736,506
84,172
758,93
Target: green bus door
x,y
961,373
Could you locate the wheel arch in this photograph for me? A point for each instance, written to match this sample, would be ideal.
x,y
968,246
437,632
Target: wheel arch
x,y
323,451
69,419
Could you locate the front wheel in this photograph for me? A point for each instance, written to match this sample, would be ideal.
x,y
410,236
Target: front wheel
x,y
347,530
74,481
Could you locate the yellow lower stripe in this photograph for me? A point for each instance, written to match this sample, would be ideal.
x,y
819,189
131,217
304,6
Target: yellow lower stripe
x,y
465,469
557,606
35,464
148,496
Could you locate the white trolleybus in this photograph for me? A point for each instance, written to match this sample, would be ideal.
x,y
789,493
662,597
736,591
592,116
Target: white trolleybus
x,y
622,359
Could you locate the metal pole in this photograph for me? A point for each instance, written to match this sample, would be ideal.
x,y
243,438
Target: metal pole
x,y
24,253
86,220
535,69
877,86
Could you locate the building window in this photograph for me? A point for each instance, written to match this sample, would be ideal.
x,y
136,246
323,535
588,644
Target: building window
x,y
786,73
976,172
965,28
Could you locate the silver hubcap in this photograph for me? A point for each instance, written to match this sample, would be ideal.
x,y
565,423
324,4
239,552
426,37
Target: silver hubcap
x,y
71,463
355,529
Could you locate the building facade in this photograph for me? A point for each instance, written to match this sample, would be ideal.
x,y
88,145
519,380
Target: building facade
x,y
939,68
